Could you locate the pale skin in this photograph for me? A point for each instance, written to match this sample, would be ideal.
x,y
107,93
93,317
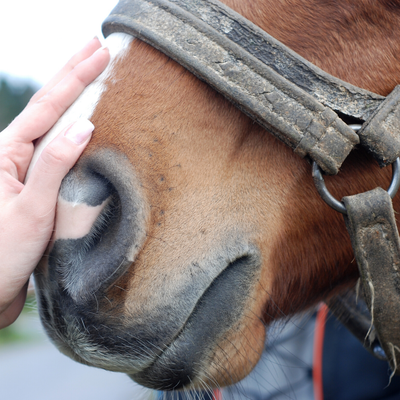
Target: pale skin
x,y
27,211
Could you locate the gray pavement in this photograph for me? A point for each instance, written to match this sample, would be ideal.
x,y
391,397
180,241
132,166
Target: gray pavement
x,y
285,369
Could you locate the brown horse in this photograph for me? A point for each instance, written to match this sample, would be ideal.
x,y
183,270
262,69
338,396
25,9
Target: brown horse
x,y
185,228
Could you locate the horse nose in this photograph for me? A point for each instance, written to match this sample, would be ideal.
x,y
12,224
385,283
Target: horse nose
x,y
100,225
83,198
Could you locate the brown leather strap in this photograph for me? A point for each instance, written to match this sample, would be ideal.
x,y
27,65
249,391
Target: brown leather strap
x,y
283,108
269,82
372,227
380,134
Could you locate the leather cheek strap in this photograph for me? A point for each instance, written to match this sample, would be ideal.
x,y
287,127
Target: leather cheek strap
x,y
373,232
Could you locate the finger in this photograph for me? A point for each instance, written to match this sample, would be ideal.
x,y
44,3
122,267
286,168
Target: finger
x,y
57,158
12,311
83,54
41,116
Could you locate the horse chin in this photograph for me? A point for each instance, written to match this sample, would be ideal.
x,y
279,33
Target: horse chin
x,y
165,333
184,362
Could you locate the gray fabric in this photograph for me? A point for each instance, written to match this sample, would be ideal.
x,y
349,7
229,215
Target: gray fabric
x,y
285,369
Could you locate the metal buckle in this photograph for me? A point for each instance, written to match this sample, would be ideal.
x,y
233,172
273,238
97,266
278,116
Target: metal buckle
x,y
338,205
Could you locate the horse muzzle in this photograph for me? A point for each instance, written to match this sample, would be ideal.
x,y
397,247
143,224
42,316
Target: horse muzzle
x,y
97,306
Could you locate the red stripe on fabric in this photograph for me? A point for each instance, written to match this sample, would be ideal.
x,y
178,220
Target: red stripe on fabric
x,y
318,351
217,394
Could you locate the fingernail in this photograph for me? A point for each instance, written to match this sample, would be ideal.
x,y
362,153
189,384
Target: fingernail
x,y
100,49
80,131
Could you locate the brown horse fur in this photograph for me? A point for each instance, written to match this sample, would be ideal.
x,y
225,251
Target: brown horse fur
x,y
211,177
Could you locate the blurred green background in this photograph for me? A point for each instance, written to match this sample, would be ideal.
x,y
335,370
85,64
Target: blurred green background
x,y
14,95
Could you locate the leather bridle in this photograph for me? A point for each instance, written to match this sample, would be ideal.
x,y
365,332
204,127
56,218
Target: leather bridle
x,y
304,107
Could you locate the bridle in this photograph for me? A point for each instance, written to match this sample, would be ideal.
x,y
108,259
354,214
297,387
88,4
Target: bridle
x,y
304,107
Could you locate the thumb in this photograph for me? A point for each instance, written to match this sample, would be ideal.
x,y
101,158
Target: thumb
x,y
56,159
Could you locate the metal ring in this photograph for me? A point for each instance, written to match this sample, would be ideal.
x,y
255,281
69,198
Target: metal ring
x,y
395,184
338,205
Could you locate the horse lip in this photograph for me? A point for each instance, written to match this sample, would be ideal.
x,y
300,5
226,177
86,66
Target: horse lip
x,y
217,309
61,326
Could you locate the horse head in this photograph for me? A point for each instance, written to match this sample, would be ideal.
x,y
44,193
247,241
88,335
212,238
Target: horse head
x,y
185,228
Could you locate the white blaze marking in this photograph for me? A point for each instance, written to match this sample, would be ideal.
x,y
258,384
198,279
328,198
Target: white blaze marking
x,y
74,221
85,105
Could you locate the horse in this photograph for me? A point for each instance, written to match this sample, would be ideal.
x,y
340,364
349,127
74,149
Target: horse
x,y
186,229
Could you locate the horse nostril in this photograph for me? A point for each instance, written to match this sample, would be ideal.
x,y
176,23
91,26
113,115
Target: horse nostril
x,y
100,225
86,186
87,201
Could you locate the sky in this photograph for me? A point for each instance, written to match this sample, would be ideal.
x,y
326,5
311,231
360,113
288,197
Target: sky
x,y
37,37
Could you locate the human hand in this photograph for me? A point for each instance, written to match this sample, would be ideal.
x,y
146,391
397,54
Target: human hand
x,y
27,211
